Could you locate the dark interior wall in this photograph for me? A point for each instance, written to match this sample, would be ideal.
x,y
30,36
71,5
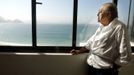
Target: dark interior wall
x,y
12,64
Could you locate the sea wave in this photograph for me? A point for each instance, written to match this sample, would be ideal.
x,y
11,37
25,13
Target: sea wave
x,y
13,44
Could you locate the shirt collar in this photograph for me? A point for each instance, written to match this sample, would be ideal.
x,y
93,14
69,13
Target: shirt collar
x,y
112,23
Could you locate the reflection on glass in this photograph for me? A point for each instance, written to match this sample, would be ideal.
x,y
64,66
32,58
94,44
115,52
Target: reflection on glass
x,y
131,23
54,23
87,19
15,22
123,10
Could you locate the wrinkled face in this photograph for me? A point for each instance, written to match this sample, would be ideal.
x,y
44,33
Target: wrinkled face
x,y
102,15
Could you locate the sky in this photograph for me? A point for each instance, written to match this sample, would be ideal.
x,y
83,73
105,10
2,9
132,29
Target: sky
x,y
15,10
54,11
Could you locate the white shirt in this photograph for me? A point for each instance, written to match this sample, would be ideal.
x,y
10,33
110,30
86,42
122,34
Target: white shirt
x,y
109,44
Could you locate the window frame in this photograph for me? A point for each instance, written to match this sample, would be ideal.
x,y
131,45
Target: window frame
x,y
50,49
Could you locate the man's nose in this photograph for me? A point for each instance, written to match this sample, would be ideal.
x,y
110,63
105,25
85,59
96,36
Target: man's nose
x,y
98,14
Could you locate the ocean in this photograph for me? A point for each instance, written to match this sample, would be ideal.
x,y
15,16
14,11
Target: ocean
x,y
20,34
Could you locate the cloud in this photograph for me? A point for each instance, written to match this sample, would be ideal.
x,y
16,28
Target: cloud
x,y
2,20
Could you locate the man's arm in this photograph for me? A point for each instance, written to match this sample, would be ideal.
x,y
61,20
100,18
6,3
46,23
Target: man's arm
x,y
124,48
81,50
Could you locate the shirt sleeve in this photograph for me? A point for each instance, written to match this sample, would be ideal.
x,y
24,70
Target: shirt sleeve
x,y
124,47
88,43
90,40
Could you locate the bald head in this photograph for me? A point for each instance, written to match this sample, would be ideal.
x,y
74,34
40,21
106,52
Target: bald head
x,y
110,8
107,13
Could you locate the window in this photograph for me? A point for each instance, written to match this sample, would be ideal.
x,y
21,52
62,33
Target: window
x,y
131,23
123,10
54,23
126,15
15,22
87,19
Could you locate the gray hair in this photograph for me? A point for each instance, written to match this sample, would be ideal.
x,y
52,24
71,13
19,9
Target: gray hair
x,y
111,8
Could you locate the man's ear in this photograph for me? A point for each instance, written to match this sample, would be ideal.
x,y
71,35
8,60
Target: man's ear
x,y
110,15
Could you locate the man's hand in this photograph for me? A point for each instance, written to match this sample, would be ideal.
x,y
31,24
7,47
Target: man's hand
x,y
81,50
74,52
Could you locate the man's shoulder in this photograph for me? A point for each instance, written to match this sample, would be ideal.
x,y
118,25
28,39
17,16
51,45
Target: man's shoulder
x,y
120,25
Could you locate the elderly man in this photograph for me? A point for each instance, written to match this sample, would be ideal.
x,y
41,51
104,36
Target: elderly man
x,y
109,47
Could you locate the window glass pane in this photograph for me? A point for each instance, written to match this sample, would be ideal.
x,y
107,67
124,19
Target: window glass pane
x,y
15,22
54,23
131,23
87,19
123,10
